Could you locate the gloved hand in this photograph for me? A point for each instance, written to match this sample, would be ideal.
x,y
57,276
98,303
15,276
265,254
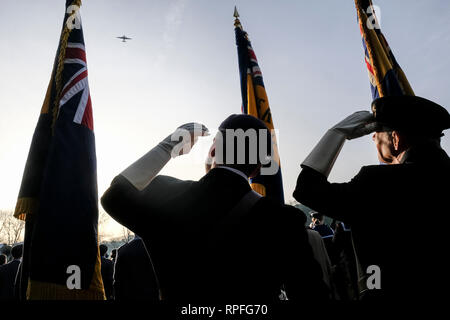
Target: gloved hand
x,y
183,138
325,153
142,172
356,125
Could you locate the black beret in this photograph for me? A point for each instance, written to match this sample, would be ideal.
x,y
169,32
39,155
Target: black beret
x,y
411,114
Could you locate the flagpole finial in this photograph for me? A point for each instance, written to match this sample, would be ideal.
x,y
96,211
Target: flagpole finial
x,y
237,23
236,13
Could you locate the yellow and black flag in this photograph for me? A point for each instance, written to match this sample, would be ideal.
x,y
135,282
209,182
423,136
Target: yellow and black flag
x,y
58,197
255,103
385,75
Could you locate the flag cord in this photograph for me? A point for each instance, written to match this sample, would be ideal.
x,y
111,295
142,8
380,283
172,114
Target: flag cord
x,y
58,77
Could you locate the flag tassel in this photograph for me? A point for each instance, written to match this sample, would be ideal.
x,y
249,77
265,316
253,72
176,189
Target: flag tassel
x,y
25,206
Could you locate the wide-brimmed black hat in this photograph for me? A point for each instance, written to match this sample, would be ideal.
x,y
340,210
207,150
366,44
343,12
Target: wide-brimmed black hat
x,y
411,114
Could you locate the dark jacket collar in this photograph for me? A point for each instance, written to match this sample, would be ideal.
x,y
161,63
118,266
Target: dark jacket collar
x,y
426,152
222,179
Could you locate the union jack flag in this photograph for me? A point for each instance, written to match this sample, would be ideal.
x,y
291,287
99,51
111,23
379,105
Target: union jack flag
x,y
75,61
58,196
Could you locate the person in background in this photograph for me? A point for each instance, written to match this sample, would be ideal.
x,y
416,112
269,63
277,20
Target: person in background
x,y
6,250
320,254
113,255
8,273
3,259
107,270
345,270
134,276
318,224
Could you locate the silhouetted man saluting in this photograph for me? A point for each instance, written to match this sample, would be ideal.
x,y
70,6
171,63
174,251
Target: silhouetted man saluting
x,y
215,239
385,204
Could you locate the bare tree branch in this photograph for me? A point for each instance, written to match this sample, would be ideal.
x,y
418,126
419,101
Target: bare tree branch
x,y
128,235
10,228
103,219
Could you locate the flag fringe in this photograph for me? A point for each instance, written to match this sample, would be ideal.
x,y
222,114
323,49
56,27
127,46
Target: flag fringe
x,y
24,207
38,290
257,187
49,291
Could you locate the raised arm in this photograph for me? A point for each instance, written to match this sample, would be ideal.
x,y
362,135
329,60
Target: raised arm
x,y
129,198
335,200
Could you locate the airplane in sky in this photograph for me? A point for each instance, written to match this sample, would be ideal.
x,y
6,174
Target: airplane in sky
x,y
124,38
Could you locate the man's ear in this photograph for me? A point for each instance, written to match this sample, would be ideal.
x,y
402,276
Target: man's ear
x,y
395,140
210,161
212,150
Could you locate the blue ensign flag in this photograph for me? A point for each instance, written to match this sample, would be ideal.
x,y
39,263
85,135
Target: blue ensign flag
x,y
58,197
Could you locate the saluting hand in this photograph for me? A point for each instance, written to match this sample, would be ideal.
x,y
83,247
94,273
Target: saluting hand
x,y
356,125
183,138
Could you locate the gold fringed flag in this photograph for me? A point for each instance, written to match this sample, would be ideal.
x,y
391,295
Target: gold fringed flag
x,y
58,196
255,103
386,76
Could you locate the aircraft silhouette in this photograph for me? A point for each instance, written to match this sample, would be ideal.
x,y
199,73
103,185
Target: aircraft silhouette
x,y
124,38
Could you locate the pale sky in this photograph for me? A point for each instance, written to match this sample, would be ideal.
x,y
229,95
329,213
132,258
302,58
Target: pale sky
x,y
181,66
